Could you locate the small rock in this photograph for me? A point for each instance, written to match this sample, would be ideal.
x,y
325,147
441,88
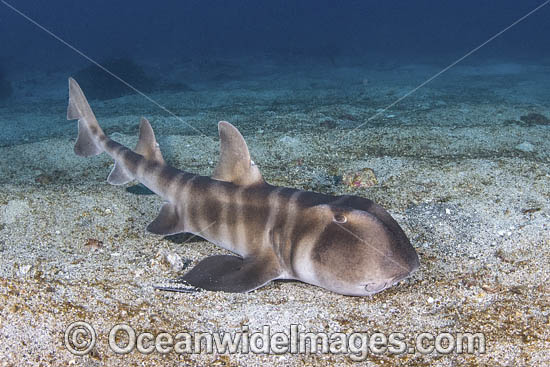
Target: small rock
x,y
431,300
24,269
175,261
93,244
360,179
168,260
479,297
526,147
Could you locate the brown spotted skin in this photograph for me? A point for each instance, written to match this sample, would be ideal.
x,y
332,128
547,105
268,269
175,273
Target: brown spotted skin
x,y
346,244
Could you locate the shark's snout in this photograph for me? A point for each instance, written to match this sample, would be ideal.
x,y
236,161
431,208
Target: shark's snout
x,y
379,285
407,265
393,268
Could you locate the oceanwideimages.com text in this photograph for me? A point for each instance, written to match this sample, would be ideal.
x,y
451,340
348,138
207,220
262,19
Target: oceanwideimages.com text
x,y
80,338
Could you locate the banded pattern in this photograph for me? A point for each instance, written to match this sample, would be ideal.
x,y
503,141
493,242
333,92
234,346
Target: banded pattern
x,y
346,244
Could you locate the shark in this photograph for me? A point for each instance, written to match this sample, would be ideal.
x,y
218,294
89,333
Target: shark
x,y
346,244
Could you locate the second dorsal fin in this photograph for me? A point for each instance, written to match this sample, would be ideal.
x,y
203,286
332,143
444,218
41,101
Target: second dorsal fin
x,y
147,146
235,165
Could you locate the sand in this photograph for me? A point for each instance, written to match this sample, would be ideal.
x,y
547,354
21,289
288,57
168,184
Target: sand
x,y
466,179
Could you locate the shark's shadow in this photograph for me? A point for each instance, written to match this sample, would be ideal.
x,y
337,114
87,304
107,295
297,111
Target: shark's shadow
x,y
139,189
183,237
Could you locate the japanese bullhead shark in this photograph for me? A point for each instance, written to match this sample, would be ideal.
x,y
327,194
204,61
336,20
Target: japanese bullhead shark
x,y
346,244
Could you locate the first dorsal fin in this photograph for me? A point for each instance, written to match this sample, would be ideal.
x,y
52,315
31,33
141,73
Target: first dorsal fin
x,y
147,145
235,165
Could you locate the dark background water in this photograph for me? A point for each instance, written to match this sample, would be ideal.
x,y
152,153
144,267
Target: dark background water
x,y
408,31
293,54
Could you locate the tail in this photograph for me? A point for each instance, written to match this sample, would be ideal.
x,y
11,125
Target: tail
x,y
93,141
90,134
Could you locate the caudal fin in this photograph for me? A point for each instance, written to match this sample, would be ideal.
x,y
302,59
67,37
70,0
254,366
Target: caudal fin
x,y
92,140
89,132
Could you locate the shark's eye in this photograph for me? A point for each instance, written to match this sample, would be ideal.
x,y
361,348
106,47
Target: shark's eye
x,y
340,218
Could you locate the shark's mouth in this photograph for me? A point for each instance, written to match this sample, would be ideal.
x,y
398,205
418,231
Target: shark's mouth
x,y
375,287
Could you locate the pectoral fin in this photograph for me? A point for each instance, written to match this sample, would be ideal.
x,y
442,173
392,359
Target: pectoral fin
x,y
226,273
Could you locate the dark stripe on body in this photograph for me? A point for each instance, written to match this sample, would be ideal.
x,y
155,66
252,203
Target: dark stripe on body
x,y
255,211
211,208
306,223
197,195
284,225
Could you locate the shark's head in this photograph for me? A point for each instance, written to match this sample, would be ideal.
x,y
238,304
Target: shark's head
x,y
358,252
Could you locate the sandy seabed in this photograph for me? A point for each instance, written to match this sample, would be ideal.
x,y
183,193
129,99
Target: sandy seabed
x,y
466,178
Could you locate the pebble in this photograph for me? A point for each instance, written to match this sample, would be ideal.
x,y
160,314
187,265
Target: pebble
x,y
175,261
526,147
93,244
24,269
360,179
431,300
167,259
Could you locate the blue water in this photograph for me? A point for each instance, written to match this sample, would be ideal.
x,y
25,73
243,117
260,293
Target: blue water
x,y
408,30
269,47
